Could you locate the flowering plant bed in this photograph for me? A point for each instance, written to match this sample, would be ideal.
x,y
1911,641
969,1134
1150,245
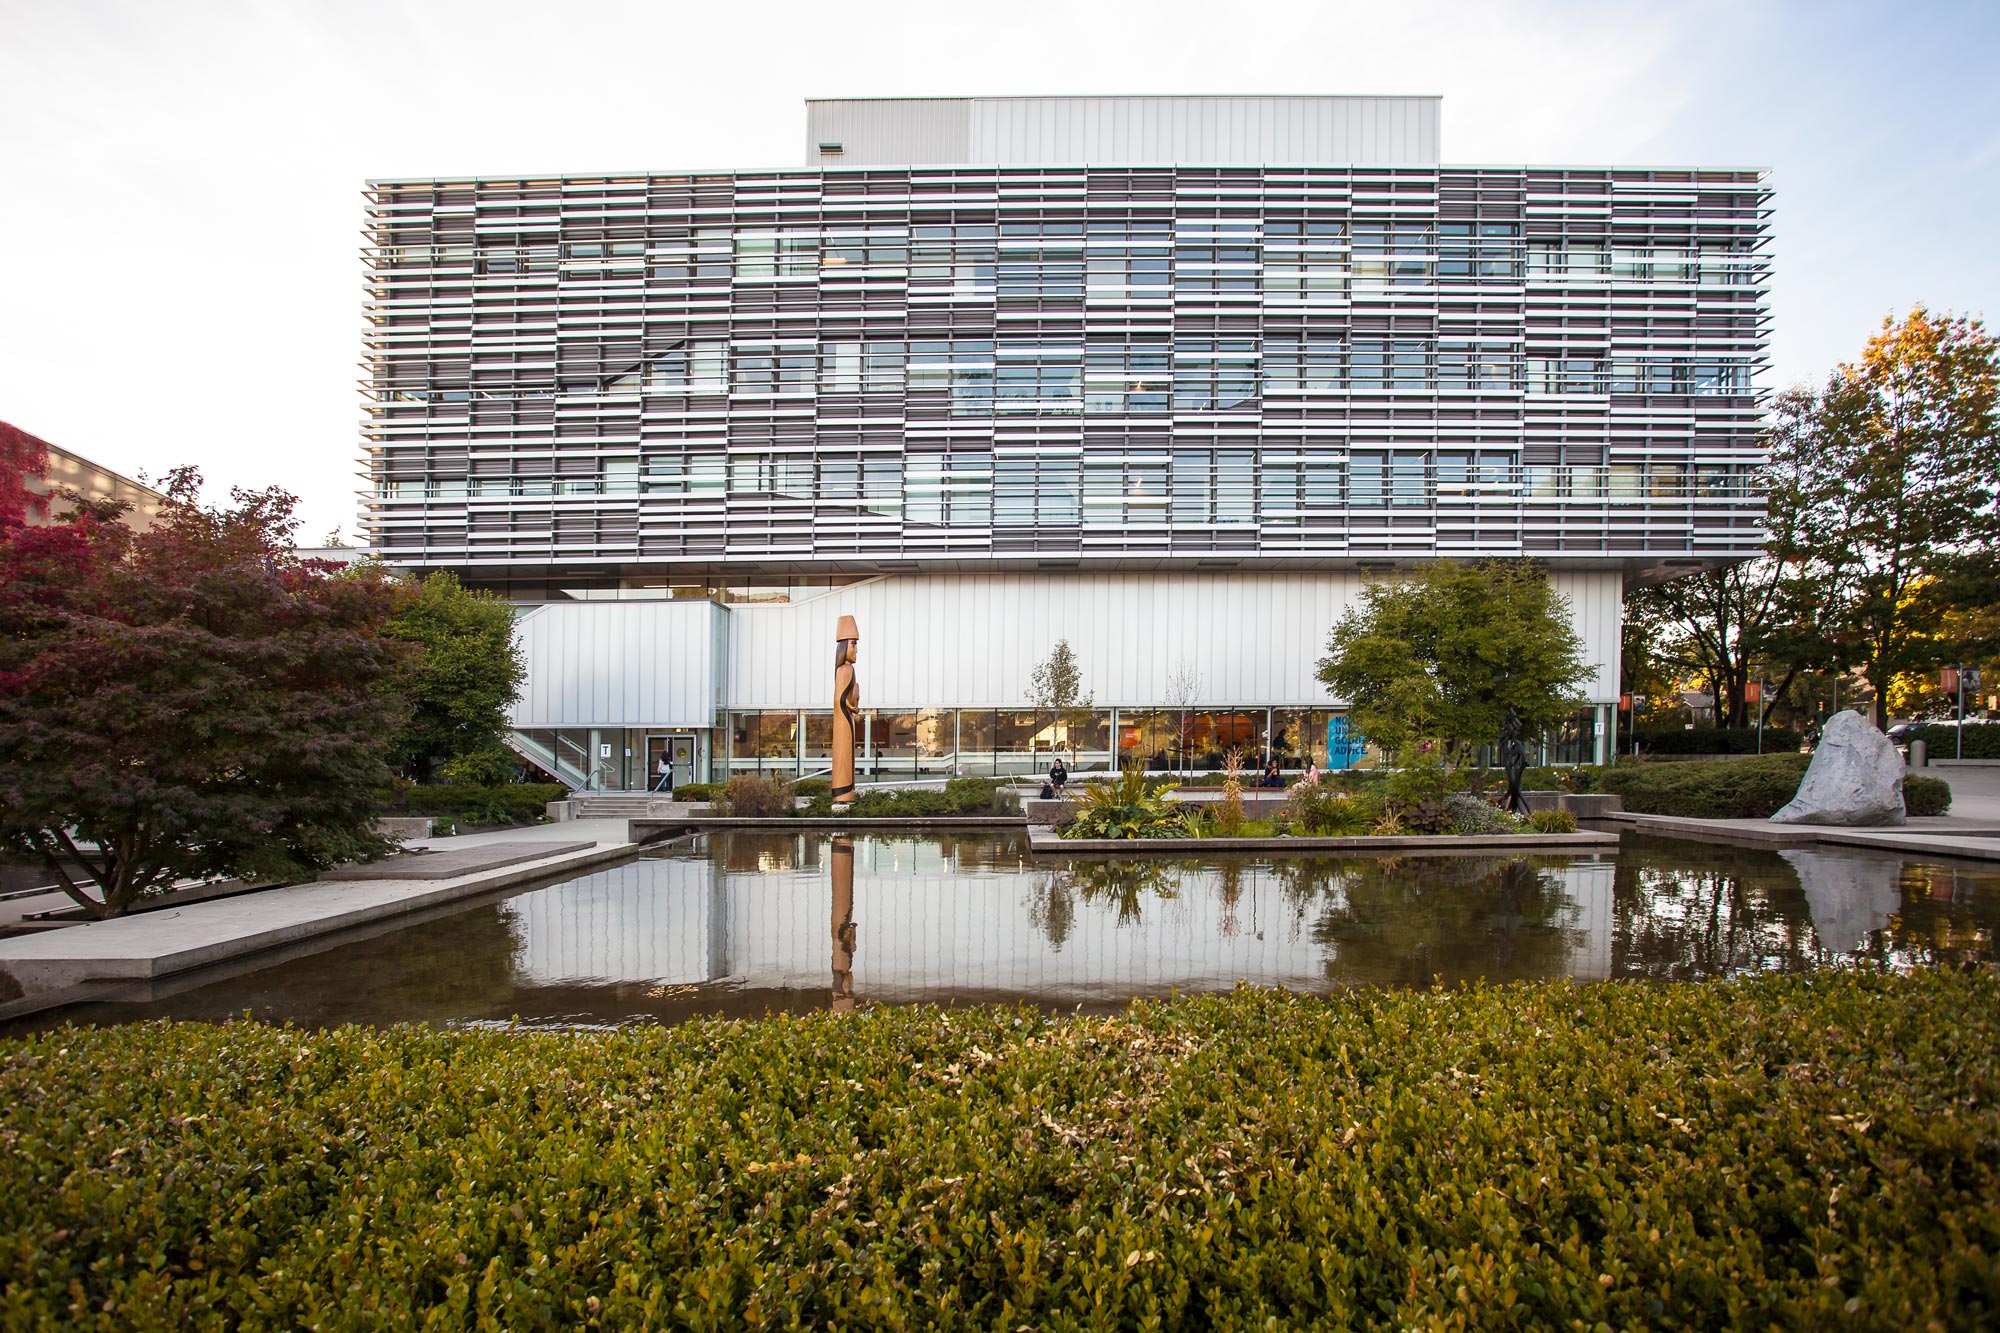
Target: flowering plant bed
x,y
1046,840
1134,808
1798,1151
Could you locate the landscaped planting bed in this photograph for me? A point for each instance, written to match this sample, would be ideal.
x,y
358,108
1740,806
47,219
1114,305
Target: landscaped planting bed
x,y
1802,1152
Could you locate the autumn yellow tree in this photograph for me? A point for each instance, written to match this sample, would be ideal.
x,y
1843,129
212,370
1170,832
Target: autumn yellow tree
x,y
1887,478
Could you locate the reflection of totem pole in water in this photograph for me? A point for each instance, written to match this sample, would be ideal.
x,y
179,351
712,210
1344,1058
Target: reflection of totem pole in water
x,y
1514,761
843,923
846,709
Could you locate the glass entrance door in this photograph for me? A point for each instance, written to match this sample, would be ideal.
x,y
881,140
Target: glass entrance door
x,y
678,751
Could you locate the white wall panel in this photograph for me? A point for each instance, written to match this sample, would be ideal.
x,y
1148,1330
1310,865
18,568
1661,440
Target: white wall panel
x,y
904,130
621,664
1597,610
972,640
1263,130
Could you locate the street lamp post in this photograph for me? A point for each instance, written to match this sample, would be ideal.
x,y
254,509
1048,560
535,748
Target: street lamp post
x,y
1968,679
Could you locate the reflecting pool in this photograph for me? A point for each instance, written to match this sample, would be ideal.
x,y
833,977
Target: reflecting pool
x,y
749,923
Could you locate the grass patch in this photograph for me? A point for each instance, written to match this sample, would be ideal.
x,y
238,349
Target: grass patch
x,y
1807,1152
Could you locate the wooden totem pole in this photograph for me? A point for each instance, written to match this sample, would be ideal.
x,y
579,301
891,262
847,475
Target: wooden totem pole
x,y
846,710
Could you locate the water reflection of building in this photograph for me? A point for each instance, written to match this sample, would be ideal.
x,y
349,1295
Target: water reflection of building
x,y
932,923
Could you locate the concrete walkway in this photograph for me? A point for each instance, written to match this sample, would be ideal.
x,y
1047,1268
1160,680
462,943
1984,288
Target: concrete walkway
x,y
51,967
1945,835
1975,791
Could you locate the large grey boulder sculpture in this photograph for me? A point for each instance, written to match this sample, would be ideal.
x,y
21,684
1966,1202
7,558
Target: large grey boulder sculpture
x,y
1856,778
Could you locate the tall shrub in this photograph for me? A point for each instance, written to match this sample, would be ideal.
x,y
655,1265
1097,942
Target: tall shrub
x,y
467,670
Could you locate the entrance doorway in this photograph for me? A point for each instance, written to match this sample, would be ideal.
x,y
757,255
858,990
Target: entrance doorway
x,y
679,752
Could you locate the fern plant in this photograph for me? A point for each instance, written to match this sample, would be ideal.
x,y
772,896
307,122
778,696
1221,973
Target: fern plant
x,y
1124,809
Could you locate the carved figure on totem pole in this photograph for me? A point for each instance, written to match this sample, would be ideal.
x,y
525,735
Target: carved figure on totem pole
x,y
846,709
1513,761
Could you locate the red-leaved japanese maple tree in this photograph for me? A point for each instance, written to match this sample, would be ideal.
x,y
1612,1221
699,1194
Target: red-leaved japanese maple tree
x,y
190,701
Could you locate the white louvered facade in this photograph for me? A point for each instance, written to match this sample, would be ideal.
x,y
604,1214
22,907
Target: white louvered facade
x,y
1218,358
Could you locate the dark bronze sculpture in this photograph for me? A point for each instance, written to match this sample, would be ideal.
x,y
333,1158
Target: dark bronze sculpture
x,y
1513,761
846,709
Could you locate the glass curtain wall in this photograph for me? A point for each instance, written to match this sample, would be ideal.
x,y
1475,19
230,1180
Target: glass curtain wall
x,y
1321,736
765,744
913,746
1198,740
1010,742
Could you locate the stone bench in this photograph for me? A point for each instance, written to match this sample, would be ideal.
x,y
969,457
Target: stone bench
x,y
1584,805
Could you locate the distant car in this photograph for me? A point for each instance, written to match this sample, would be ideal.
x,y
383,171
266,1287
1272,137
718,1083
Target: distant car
x,y
1900,733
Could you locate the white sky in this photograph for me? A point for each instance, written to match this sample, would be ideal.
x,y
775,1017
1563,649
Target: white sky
x,y
180,180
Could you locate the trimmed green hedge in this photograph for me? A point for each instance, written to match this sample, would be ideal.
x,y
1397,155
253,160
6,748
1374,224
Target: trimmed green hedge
x,y
507,803
1982,740
1926,796
1716,740
1799,1152
1751,788
961,796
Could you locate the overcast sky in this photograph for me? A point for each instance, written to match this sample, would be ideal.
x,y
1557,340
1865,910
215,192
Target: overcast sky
x,y
182,209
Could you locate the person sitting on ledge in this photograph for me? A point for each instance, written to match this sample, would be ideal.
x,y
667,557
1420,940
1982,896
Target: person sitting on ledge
x,y
1058,775
1273,775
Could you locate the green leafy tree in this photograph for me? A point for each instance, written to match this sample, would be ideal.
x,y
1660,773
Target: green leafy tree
x,y
1443,652
1887,478
190,701
1722,629
468,670
1056,688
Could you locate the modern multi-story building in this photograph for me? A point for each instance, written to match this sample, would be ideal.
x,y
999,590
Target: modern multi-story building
x,y
1169,378
61,471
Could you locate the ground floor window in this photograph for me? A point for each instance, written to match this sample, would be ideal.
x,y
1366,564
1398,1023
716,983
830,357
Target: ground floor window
x,y
1194,739
932,743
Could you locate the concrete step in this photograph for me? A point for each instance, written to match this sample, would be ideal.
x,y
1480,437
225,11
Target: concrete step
x,y
612,805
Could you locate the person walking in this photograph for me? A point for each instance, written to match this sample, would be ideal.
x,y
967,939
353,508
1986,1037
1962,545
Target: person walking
x,y
663,776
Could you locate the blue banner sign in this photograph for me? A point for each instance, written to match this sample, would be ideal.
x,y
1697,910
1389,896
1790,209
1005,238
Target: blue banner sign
x,y
1343,747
